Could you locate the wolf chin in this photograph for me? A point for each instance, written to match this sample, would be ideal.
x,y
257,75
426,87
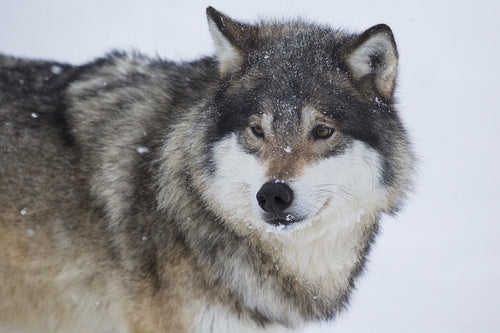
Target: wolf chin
x,y
234,193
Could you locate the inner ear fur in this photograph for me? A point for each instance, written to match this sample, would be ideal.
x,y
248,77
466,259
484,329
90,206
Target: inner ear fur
x,y
232,40
373,55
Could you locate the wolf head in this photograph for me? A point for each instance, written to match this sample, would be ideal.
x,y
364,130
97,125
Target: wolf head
x,y
305,123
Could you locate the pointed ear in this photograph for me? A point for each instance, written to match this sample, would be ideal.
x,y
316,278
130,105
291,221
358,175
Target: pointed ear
x,y
373,55
232,40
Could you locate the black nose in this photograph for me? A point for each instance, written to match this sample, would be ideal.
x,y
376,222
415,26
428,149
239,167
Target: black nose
x,y
274,197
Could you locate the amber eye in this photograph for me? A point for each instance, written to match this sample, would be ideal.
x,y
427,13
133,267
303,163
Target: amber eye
x,y
323,132
257,131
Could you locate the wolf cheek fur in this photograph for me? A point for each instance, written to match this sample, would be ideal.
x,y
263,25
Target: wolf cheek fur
x,y
236,193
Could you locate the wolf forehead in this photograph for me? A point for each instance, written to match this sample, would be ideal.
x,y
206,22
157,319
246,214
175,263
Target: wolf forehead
x,y
291,62
297,55
283,68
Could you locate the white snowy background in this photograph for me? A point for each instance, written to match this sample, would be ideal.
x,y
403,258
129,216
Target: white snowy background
x,y
435,268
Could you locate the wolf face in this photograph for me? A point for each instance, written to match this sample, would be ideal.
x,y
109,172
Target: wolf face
x,y
289,181
301,117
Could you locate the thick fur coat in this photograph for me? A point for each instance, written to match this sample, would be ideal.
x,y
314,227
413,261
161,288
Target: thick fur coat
x,y
234,193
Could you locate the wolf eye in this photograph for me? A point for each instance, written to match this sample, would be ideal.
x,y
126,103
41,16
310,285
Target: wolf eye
x,y
257,131
323,132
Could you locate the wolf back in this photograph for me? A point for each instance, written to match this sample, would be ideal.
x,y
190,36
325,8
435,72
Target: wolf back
x,y
239,192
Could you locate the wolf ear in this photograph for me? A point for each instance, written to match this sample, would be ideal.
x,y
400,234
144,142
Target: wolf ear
x,y
232,40
373,55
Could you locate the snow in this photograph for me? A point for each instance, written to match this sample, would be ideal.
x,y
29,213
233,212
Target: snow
x,y
280,227
56,69
142,150
434,268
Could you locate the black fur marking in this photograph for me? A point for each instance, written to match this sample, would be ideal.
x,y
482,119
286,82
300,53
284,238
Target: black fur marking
x,y
39,83
232,112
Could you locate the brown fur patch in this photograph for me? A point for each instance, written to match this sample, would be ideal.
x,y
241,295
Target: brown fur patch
x,y
289,144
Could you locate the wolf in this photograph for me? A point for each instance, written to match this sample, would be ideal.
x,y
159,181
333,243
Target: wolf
x,y
234,193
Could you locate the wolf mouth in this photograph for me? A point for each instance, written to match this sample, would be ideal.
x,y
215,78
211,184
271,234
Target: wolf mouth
x,y
283,221
286,220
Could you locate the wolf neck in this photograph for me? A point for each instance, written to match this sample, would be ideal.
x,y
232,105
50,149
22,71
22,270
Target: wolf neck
x,y
316,267
330,251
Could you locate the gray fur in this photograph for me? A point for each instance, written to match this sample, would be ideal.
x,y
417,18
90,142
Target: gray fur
x,y
104,170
